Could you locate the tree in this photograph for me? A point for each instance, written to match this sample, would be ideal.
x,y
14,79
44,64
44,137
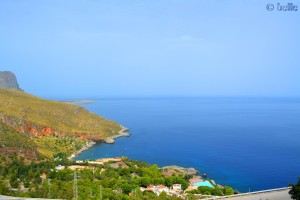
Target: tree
x,y
3,187
228,190
149,195
14,183
204,190
191,197
127,188
145,181
295,190
216,191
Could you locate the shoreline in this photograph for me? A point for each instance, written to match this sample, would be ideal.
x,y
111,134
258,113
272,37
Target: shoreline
x,y
88,145
122,133
76,102
109,140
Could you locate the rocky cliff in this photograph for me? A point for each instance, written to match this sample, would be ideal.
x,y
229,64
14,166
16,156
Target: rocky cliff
x,y
8,80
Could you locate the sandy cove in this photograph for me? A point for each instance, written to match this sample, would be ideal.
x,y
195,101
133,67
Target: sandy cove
x,y
87,146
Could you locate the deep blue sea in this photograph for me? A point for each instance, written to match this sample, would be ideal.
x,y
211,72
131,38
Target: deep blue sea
x,y
240,142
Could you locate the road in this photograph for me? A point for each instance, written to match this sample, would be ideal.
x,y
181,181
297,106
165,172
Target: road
x,y
278,195
275,195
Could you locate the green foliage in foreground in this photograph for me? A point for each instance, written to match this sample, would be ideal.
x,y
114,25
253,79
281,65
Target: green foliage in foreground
x,y
57,115
217,191
295,190
117,184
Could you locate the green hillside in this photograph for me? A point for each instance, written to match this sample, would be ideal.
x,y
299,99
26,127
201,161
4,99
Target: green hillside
x,y
15,143
23,117
10,138
57,115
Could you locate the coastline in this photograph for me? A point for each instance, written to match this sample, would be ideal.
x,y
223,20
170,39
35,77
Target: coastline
x,y
79,101
172,170
109,140
88,145
122,133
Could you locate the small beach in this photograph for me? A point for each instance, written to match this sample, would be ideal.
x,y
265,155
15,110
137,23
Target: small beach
x,y
88,145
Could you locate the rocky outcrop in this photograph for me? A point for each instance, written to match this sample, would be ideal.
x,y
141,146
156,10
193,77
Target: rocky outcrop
x,y
174,169
122,133
8,80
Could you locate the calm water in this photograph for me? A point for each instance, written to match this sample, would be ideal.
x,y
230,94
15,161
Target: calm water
x,y
235,141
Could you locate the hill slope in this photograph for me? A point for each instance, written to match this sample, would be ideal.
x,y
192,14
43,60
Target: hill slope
x,y
12,142
53,126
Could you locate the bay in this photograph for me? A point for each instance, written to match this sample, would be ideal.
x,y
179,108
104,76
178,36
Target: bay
x,y
241,142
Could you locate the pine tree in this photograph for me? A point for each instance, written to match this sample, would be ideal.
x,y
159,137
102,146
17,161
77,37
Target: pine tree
x,y
295,191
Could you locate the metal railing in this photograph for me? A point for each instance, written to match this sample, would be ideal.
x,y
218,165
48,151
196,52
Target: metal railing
x,y
248,193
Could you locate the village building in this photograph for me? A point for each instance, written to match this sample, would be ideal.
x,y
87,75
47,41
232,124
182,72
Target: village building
x,y
122,164
195,179
60,167
191,188
162,188
168,173
119,164
78,167
176,187
156,189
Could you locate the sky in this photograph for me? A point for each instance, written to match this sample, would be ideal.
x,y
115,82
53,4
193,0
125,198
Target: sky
x,y
117,48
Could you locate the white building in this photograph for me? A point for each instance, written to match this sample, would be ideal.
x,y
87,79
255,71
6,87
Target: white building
x,y
156,189
59,167
176,187
162,188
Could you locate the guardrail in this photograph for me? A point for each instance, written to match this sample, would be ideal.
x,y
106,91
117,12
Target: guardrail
x,y
247,194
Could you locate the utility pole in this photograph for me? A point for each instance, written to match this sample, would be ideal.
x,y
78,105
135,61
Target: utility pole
x,y
75,191
100,192
249,189
49,188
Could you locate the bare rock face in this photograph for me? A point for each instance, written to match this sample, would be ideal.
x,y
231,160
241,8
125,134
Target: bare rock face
x,y
8,80
182,170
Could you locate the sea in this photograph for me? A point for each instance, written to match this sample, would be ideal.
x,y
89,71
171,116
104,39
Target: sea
x,y
246,143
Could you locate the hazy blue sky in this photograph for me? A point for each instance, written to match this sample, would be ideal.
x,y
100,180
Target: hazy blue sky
x,y
144,48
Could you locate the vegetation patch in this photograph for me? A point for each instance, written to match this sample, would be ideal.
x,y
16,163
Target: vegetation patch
x,y
56,115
